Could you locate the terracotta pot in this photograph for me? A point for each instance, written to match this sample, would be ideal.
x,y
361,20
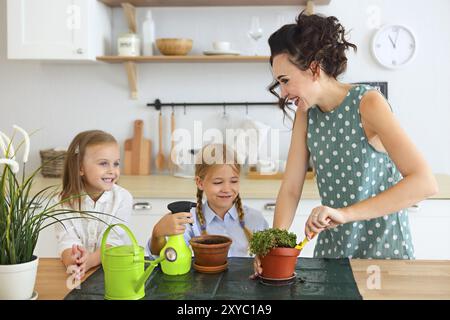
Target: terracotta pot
x,y
210,250
279,263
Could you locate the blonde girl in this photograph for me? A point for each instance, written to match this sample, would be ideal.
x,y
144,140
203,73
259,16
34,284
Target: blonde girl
x,y
219,207
91,170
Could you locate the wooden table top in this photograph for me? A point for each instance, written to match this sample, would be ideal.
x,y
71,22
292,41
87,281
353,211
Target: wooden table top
x,y
376,279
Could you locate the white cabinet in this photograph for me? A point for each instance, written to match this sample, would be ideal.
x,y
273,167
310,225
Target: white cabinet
x,y
430,228
146,213
430,225
58,29
46,246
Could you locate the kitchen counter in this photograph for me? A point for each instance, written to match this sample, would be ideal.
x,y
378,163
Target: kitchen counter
x,y
399,279
165,186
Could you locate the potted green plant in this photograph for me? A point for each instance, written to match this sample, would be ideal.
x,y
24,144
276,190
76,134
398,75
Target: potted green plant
x,y
276,249
23,215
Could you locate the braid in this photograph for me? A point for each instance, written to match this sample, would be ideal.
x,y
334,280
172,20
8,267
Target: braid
x,y
200,217
240,211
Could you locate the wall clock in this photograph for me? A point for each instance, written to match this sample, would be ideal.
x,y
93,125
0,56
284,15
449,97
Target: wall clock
x,y
394,46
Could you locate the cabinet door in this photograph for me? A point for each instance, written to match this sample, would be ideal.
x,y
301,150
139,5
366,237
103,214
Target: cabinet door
x,y
430,229
47,29
146,213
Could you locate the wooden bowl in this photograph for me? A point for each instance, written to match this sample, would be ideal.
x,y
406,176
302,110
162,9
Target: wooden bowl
x,y
174,46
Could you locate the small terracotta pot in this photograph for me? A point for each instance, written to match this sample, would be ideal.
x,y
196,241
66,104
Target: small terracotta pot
x,y
211,249
279,263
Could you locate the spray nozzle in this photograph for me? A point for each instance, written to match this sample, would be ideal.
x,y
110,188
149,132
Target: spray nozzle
x,y
181,206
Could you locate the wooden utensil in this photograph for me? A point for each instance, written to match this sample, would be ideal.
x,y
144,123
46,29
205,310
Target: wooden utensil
x,y
137,152
172,164
127,157
160,161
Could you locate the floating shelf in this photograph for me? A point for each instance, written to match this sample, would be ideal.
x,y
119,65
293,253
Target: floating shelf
x,y
130,63
199,58
211,3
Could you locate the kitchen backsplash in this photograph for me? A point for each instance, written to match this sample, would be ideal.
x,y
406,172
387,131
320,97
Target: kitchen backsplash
x,y
61,99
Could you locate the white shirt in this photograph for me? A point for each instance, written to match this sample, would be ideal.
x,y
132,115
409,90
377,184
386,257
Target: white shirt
x,y
87,232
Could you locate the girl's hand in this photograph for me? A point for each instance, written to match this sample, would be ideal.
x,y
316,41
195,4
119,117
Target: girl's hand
x,y
172,224
75,254
257,267
322,218
82,260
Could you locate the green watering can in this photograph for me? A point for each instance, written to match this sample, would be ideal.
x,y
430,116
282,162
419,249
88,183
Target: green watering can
x,y
124,270
178,256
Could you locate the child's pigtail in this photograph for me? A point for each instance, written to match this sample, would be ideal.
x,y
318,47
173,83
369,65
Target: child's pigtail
x,y
200,217
240,212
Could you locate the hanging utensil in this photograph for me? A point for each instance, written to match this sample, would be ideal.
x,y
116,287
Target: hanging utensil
x,y
160,161
172,164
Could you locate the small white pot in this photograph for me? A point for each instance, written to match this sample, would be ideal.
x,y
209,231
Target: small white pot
x,y
17,280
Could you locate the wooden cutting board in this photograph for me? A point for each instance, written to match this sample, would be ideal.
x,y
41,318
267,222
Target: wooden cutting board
x,y
137,155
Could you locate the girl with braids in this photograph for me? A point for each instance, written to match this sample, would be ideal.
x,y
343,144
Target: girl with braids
x,y
217,179
368,169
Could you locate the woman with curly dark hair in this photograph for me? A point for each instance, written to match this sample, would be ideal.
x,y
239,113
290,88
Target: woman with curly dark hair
x,y
368,169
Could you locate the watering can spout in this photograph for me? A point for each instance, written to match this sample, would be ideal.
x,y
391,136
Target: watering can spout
x,y
153,263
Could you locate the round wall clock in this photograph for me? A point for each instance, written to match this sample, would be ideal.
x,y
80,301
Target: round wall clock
x,y
394,46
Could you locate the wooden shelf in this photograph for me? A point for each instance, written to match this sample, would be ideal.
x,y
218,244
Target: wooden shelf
x,y
130,64
211,3
199,58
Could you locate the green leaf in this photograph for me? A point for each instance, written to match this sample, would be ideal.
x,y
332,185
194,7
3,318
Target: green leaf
x,y
264,241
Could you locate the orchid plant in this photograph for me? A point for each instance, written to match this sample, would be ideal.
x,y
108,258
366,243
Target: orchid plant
x,y
24,214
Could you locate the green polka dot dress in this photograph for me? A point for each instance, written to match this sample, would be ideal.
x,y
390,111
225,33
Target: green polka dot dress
x,y
350,170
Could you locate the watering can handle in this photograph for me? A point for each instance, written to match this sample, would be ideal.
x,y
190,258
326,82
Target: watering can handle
x,y
129,233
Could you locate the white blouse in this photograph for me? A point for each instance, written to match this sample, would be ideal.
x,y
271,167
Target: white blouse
x,y
88,232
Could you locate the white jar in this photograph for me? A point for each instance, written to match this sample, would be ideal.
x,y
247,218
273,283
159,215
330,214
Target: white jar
x,y
128,45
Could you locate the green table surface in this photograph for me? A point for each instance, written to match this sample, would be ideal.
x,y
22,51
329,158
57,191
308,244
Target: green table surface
x,y
315,279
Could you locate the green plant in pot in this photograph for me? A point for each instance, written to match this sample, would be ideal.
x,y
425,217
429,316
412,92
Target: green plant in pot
x,y
23,215
276,249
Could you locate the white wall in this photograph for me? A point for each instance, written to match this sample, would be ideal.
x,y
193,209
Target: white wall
x,y
62,99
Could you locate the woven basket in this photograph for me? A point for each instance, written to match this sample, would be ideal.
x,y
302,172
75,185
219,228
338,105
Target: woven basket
x,y
52,162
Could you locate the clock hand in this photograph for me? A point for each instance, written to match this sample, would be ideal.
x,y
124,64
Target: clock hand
x,y
392,41
396,38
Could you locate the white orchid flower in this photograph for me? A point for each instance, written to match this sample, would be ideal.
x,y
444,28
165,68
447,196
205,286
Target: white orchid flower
x,y
26,137
11,163
8,143
3,146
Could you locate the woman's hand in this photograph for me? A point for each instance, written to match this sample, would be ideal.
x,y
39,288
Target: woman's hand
x,y
322,218
172,224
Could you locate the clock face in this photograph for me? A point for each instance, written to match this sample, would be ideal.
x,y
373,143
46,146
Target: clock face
x,y
393,46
